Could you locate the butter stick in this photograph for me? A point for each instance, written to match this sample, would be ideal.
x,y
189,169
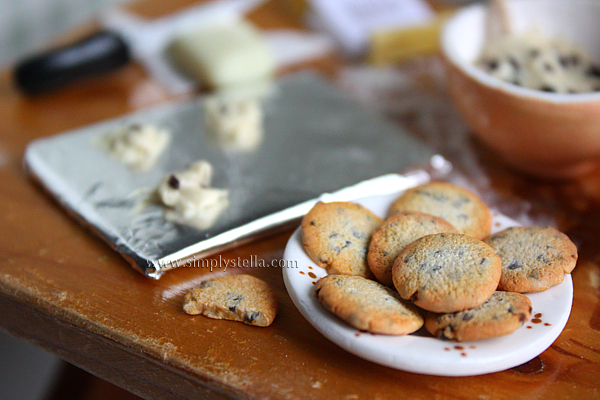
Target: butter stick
x,y
223,55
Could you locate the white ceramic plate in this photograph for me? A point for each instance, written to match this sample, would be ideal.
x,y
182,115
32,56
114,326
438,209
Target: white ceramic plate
x,y
421,352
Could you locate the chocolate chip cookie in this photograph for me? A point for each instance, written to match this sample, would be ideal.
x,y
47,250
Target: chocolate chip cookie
x,y
242,298
336,236
462,208
502,314
533,258
368,305
395,234
446,272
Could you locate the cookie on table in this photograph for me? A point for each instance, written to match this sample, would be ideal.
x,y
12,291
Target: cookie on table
x,y
395,234
502,314
462,208
446,272
242,298
533,258
336,236
368,305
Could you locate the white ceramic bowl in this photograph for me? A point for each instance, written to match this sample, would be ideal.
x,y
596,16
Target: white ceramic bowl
x,y
544,134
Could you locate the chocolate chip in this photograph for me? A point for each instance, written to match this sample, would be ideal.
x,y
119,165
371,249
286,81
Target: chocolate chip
x,y
348,243
514,265
548,88
467,317
251,317
522,318
533,53
233,300
313,223
173,182
593,70
205,284
568,60
543,259
334,235
358,234
492,65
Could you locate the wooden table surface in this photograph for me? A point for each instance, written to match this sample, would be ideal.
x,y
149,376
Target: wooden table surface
x,y
64,290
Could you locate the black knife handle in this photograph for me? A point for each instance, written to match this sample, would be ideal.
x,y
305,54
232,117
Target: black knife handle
x,y
102,52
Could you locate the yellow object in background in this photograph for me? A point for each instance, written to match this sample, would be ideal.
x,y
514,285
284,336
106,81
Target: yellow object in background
x,y
395,45
388,46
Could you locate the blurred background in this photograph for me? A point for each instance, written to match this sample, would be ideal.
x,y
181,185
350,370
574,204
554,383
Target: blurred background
x,y
26,25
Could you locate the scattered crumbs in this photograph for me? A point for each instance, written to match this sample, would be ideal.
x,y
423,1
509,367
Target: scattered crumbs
x,y
536,321
463,354
472,347
529,326
312,275
538,315
302,273
447,348
459,347
547,324
309,267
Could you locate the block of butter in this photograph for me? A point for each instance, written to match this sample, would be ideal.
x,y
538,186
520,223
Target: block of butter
x,y
223,55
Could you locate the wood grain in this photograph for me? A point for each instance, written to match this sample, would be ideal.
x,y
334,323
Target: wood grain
x,y
63,289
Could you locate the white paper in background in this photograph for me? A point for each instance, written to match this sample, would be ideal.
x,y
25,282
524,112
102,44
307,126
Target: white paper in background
x,y
351,22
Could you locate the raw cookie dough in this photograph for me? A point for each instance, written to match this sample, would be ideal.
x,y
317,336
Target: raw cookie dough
x,y
137,145
190,200
235,123
536,62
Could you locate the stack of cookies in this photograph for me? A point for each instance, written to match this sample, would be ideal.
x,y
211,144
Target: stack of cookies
x,y
432,262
